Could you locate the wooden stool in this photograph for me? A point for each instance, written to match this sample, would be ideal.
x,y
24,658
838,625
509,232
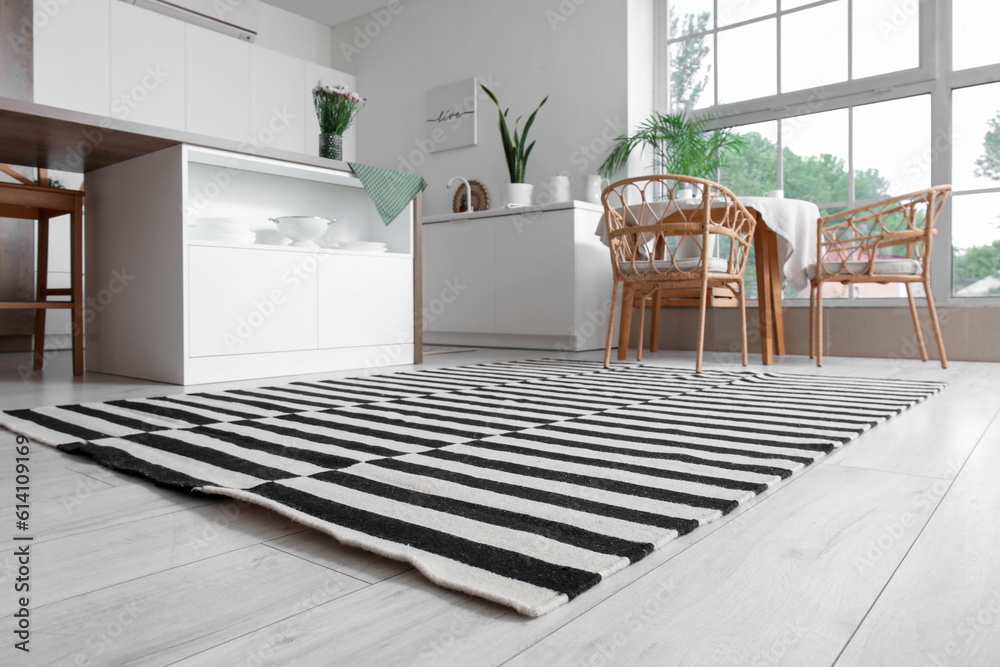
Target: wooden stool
x,y
27,201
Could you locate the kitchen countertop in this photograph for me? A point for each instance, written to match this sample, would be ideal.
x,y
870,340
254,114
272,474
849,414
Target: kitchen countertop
x,y
520,210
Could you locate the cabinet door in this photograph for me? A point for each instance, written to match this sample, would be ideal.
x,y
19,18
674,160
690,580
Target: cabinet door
x,y
365,300
459,278
218,85
277,107
72,54
535,284
330,77
242,301
147,67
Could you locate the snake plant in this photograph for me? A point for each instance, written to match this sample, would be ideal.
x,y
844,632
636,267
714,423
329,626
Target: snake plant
x,y
515,145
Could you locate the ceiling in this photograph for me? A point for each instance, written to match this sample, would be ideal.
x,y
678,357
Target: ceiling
x,y
326,11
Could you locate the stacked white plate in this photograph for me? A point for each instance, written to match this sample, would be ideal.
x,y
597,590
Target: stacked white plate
x,y
233,231
363,246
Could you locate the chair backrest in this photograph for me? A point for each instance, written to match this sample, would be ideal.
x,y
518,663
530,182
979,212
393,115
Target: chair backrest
x,y
850,242
655,234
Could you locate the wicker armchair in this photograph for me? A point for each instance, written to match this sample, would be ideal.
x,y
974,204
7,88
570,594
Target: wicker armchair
x,y
660,242
885,242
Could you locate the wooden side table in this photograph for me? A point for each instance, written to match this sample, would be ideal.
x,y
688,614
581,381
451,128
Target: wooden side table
x,y
34,202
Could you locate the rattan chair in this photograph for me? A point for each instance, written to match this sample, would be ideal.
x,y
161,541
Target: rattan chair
x,y
660,242
885,242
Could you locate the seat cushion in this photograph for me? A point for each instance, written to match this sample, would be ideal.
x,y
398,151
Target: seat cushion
x,y
641,267
882,267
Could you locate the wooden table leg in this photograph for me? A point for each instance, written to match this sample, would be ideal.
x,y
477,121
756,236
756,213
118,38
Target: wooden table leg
x,y
765,294
76,284
779,318
41,289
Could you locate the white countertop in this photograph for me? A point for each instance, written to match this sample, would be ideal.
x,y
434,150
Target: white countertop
x,y
520,210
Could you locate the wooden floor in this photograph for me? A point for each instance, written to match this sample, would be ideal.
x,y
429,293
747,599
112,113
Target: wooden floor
x,y
886,553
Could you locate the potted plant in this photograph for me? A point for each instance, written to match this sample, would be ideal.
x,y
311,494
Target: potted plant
x,y
336,109
516,150
680,143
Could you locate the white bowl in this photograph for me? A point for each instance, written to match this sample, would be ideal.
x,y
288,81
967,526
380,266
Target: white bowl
x,y
303,230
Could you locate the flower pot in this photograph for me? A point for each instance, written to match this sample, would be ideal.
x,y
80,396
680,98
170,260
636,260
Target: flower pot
x,y
518,194
331,146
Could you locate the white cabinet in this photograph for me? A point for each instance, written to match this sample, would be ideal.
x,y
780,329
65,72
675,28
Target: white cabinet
x,y
460,276
72,54
191,312
110,58
250,300
218,85
536,277
277,107
147,67
365,301
534,282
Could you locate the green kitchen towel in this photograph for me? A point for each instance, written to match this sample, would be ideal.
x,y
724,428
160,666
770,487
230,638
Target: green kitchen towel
x,y
391,191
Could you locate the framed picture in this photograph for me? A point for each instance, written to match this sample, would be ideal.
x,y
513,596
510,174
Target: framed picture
x,y
451,115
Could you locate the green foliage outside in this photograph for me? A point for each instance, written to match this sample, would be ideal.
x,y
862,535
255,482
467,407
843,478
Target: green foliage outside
x,y
973,264
818,178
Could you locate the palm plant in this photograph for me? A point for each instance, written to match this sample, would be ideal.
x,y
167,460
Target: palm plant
x,y
681,144
515,145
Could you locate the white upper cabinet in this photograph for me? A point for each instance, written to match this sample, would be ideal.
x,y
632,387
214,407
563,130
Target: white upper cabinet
x,y
147,67
114,59
218,85
329,77
277,107
72,54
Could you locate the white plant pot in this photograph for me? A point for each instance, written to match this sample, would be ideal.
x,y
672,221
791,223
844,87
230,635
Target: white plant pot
x,y
686,193
518,194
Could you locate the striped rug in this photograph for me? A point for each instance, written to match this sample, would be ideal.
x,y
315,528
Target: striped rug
x,y
525,482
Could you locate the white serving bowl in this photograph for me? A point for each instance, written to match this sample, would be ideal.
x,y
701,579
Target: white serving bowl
x,y
303,230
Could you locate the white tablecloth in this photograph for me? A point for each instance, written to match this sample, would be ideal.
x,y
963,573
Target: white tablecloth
x,y
793,220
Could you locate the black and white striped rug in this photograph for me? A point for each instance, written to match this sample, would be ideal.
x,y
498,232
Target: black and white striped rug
x,y
525,482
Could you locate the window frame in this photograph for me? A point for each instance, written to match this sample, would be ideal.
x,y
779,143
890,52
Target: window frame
x,y
933,76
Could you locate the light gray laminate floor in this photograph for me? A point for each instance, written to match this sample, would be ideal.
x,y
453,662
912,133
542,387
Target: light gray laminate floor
x,y
886,553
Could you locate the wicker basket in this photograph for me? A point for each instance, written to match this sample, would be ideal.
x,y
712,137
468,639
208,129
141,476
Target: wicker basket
x,y
480,198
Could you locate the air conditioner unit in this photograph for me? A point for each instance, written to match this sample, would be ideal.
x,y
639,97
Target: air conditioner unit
x,y
236,18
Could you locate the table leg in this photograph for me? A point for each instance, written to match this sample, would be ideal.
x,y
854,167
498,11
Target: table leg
x,y
76,284
779,318
765,294
41,290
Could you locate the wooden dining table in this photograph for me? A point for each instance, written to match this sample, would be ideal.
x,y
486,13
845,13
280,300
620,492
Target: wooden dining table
x,y
784,244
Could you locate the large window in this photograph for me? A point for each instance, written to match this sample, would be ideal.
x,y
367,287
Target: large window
x,y
848,101
729,51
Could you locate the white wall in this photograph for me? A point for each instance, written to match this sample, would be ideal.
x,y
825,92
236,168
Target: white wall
x,y
574,51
